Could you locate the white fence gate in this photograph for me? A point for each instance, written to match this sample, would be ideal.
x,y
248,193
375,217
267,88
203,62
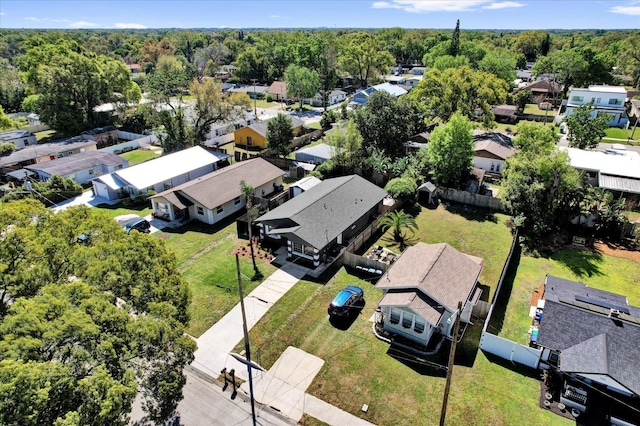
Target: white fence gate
x,y
510,350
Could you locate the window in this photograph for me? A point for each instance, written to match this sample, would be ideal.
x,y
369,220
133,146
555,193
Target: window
x,y
418,325
200,211
219,209
91,171
249,141
577,98
394,316
236,201
407,320
615,101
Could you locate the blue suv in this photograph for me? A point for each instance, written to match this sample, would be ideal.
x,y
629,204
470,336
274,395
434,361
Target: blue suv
x,y
350,298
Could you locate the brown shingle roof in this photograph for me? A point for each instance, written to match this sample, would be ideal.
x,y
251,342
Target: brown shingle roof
x,y
437,270
223,185
416,301
278,88
498,144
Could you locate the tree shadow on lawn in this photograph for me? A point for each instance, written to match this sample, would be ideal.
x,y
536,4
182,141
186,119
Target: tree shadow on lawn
x,y
583,263
400,246
477,214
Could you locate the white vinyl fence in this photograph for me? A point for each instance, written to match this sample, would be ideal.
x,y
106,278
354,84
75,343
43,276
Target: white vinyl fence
x,y
509,350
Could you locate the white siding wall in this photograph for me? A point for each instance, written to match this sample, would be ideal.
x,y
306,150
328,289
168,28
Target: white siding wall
x,y
408,332
486,163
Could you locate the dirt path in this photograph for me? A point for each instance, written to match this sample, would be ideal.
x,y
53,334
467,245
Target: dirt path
x,y
617,251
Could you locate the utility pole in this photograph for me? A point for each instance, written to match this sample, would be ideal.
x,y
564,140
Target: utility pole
x,y
452,355
255,110
246,341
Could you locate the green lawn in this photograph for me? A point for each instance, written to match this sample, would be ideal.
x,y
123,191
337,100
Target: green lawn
x,y
358,369
598,271
204,255
119,209
535,110
616,133
314,125
139,156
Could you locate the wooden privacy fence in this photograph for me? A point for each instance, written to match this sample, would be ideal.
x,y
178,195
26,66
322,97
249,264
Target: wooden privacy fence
x,y
468,198
361,238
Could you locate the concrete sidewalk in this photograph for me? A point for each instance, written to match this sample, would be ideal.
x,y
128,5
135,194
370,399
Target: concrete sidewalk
x,y
215,344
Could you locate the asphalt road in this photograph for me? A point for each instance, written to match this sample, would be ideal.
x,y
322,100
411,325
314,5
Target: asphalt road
x,y
205,403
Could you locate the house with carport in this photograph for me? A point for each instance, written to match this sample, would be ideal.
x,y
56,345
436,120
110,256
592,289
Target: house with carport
x,y
217,195
616,170
317,223
159,174
81,167
421,291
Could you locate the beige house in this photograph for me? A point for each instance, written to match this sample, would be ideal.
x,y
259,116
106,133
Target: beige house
x,y
422,290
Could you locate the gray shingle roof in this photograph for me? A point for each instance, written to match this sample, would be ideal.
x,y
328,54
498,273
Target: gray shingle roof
x,y
78,162
37,151
591,342
437,270
261,127
323,212
223,185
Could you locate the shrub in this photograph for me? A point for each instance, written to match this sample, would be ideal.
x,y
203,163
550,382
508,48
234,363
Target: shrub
x,y
402,188
7,148
269,97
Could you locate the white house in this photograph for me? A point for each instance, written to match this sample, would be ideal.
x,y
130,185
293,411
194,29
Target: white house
x,y
159,174
607,100
617,170
335,97
491,151
81,167
422,290
19,139
216,195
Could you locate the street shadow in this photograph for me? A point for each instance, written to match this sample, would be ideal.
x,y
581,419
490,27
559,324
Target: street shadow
x,y
477,214
583,263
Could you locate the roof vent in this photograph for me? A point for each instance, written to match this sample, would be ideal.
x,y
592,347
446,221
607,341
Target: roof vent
x,y
614,313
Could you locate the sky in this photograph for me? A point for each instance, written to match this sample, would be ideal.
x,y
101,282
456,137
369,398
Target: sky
x,y
473,14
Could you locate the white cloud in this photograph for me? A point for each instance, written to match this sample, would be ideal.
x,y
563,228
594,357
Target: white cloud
x,y
633,8
34,19
1,13
422,6
82,24
278,17
131,25
503,5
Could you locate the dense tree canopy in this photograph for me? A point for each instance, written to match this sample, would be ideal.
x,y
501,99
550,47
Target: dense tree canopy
x,y
280,134
586,131
450,151
301,82
386,122
460,89
71,83
541,189
362,56
96,317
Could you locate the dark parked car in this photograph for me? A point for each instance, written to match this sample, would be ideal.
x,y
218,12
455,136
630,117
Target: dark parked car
x,y
350,299
139,224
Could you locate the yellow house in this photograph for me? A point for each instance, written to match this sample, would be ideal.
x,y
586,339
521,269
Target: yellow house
x,y
255,135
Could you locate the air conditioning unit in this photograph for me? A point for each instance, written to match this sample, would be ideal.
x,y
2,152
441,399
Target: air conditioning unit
x,y
614,313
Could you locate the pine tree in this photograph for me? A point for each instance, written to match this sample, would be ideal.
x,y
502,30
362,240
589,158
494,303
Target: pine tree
x,y
454,48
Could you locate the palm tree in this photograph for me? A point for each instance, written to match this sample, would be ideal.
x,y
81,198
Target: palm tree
x,y
398,221
248,192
